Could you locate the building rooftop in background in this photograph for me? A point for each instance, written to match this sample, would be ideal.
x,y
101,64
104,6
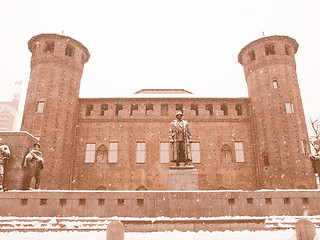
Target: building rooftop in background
x,y
163,91
9,114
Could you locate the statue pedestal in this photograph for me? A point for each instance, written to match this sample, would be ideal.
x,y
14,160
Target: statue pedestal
x,y
182,178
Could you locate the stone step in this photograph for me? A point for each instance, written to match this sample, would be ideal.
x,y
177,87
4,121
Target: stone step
x,y
35,224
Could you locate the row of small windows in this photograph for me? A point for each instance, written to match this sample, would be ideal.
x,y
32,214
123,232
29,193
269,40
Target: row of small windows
x,y
164,109
269,50
101,155
149,111
49,48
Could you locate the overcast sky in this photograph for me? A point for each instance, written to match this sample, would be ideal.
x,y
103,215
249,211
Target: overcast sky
x,y
162,44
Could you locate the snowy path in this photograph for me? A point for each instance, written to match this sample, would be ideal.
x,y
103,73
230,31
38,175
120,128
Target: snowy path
x,y
175,235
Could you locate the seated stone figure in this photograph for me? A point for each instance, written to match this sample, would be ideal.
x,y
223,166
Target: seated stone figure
x,y
33,164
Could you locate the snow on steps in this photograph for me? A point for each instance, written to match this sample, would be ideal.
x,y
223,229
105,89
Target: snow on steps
x,y
41,224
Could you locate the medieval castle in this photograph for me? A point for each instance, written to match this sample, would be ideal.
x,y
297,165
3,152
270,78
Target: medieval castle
x,y
259,142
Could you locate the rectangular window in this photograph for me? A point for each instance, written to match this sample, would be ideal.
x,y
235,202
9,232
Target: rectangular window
x,y
164,152
119,110
209,110
289,108
104,110
194,110
252,55
179,108
164,109
134,110
90,153
49,48
224,109
304,146
269,49
69,50
141,152
40,106
195,151
275,84
149,109
239,151
113,152
287,49
89,110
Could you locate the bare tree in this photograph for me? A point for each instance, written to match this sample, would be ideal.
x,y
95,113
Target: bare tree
x,y
315,131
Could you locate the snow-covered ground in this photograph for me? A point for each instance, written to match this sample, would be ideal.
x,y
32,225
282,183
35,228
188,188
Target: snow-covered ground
x,y
175,235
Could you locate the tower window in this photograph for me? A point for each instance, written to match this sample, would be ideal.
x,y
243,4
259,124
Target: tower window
x,y
89,110
49,48
90,153
179,107
134,110
40,107
149,109
104,110
289,108
269,49
224,109
69,50
252,55
164,109
287,49
119,109
265,160
141,152
194,110
304,146
239,110
113,152
164,152
209,110
239,152
275,84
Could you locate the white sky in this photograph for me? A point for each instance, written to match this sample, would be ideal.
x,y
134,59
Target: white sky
x,y
137,44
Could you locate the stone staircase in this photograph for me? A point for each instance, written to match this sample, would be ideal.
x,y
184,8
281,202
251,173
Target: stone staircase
x,y
41,224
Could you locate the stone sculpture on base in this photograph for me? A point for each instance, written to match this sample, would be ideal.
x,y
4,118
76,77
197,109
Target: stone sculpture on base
x,y
4,156
33,164
180,139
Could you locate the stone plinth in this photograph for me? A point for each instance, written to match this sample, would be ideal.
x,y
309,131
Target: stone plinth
x,y
19,144
183,178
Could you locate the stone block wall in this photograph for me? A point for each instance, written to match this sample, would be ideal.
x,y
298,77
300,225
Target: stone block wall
x,y
151,204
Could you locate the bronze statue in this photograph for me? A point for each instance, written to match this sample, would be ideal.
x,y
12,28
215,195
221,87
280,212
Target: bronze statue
x,y
33,164
4,155
315,159
180,139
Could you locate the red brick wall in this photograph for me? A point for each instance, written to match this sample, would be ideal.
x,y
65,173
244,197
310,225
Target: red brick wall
x,y
211,131
277,133
55,79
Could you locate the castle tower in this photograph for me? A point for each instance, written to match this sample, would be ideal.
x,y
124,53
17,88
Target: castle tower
x,y
279,127
51,103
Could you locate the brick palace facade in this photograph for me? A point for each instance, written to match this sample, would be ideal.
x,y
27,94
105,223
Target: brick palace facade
x,y
259,142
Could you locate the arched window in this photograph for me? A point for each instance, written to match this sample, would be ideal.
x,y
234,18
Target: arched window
x,y
226,154
102,154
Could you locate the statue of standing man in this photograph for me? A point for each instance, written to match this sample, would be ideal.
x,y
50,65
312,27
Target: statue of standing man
x,y
180,138
4,156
